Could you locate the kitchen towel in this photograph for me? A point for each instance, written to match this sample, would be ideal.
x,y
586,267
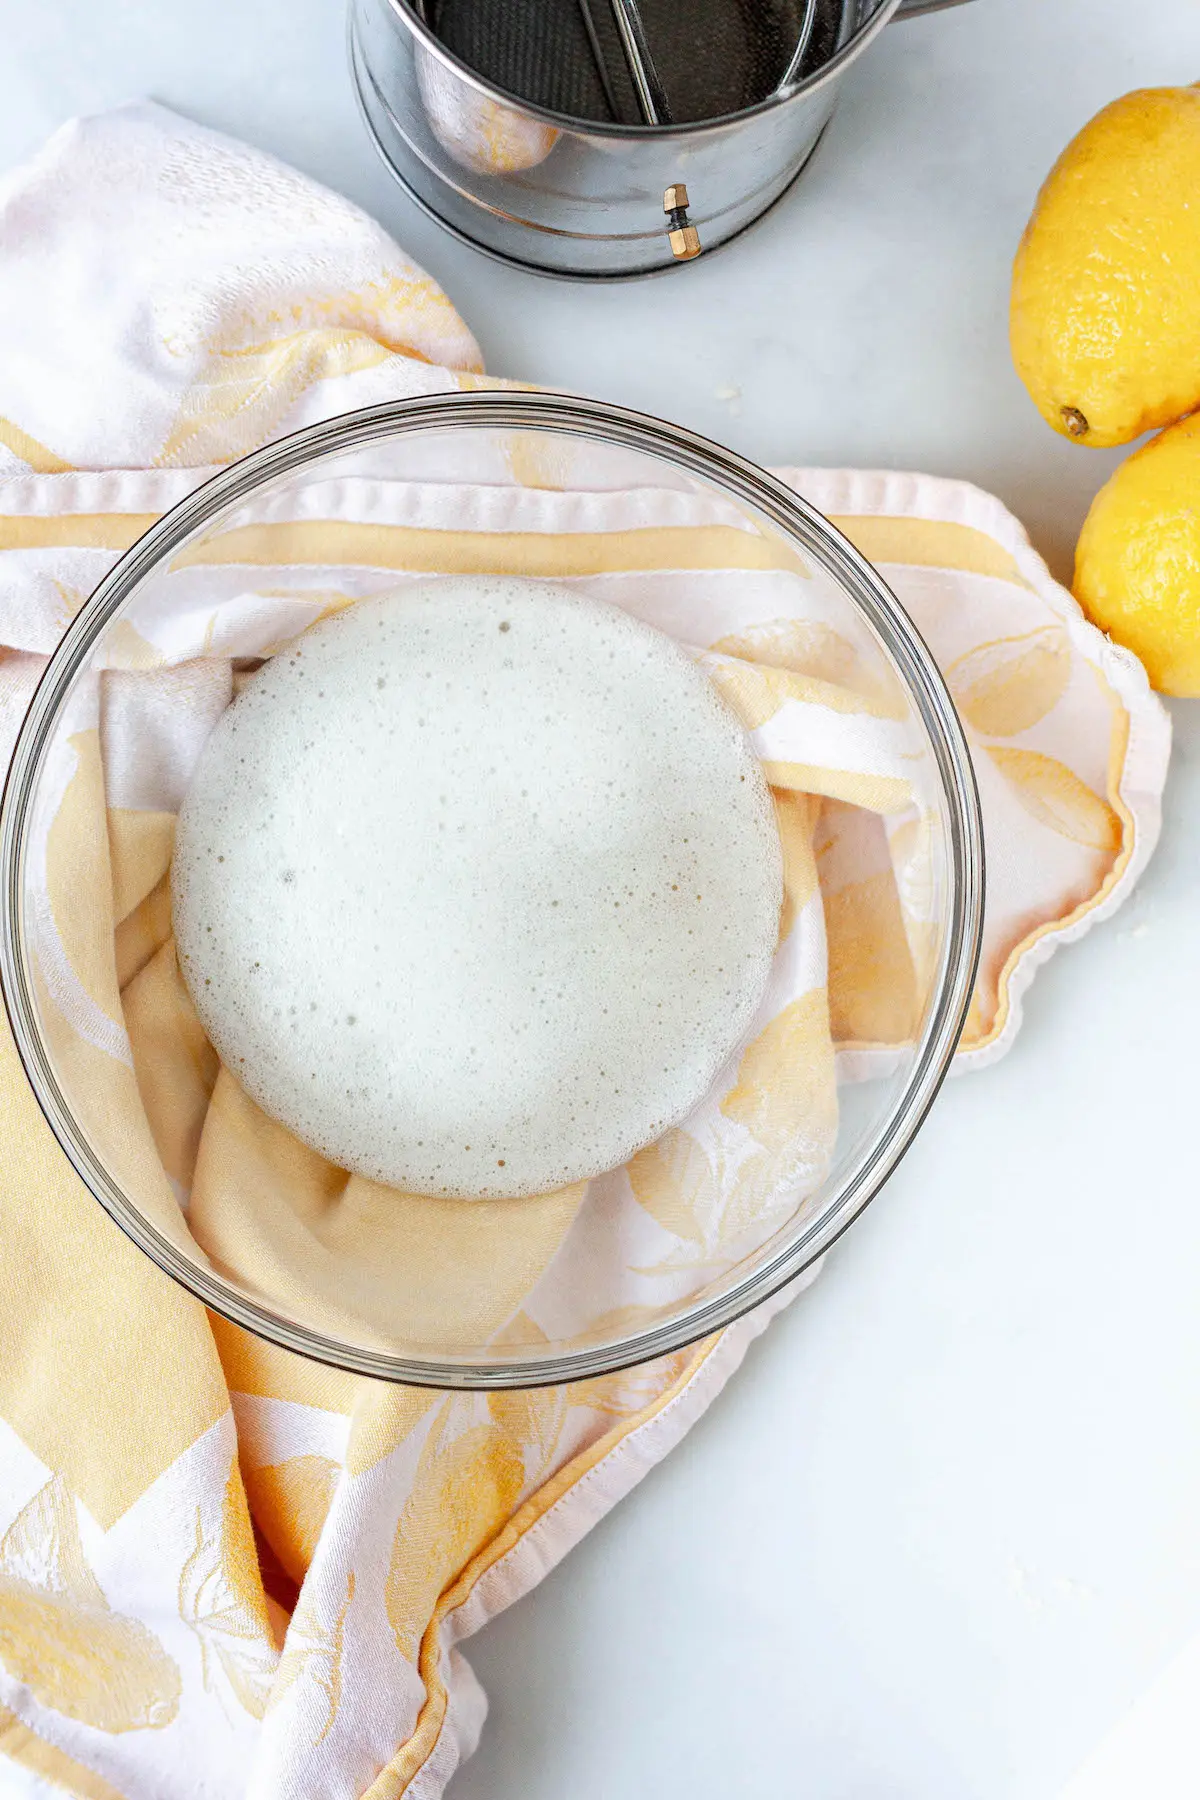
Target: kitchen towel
x,y
225,1571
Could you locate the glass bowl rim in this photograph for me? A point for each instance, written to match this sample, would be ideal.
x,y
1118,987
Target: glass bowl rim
x,y
513,410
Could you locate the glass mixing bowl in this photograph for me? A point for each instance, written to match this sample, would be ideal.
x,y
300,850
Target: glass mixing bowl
x,y
814,1112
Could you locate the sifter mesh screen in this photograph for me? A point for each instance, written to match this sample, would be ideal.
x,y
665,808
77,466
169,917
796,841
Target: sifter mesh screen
x,y
714,57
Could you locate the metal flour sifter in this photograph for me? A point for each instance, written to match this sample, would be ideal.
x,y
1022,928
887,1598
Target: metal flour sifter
x,y
604,138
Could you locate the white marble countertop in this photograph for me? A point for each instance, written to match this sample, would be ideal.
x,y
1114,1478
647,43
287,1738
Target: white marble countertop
x,y
945,1525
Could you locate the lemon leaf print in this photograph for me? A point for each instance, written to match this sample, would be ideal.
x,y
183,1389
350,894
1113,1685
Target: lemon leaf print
x,y
754,692
60,1638
795,816
290,1501
785,1097
1009,685
785,1082
1057,798
673,1180
759,1196
520,1332
221,1599
536,460
384,1418
126,648
71,598
620,1321
465,1489
622,1395
711,1203
803,645
533,1418
873,996
247,391
822,658
312,1653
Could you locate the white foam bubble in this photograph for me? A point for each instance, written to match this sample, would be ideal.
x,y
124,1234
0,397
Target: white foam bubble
x,y
477,886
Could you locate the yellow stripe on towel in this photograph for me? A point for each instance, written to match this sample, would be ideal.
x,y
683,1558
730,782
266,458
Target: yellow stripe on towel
x,y
929,544
344,543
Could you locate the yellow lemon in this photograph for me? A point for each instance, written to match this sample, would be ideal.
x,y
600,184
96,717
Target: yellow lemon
x,y
1137,563
1105,319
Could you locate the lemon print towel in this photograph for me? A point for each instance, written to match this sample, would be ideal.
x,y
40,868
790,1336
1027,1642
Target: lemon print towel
x,y
224,1571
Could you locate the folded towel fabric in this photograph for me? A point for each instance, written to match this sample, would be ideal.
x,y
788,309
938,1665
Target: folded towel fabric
x,y
223,1570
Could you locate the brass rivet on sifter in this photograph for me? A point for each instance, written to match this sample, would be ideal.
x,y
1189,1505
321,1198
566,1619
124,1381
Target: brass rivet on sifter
x,y
682,236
